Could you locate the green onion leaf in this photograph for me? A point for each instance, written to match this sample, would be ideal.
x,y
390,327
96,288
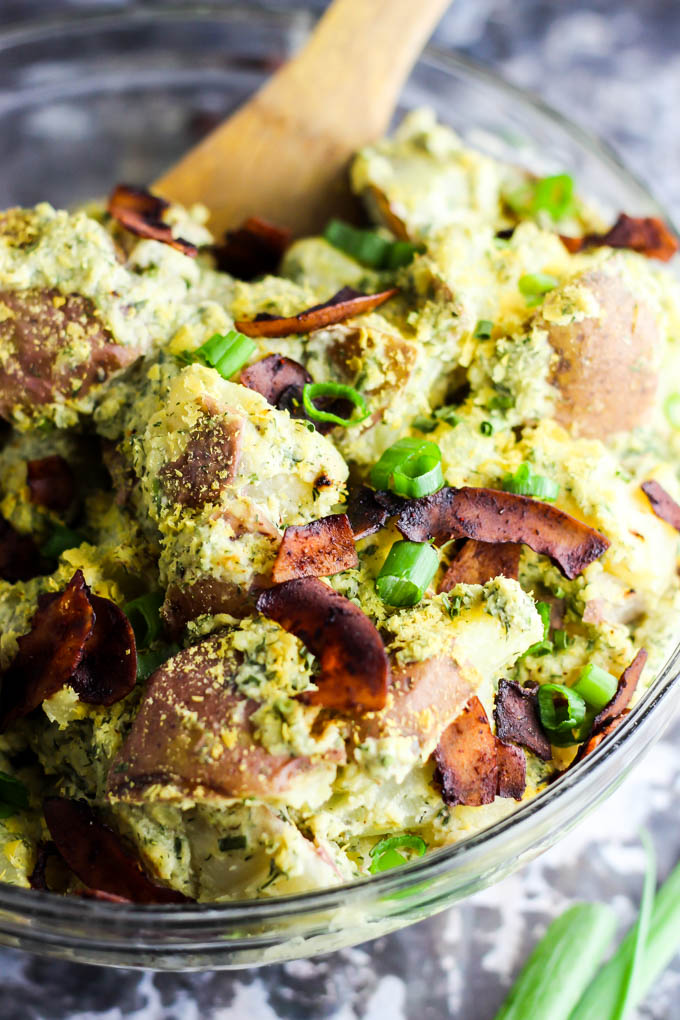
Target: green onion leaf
x,y
368,247
501,402
13,795
144,616
534,287
555,194
672,409
486,428
483,329
447,414
525,483
406,573
59,541
562,640
561,709
313,391
596,686
627,990
385,853
424,424
544,646
149,662
410,467
225,353
602,996
561,965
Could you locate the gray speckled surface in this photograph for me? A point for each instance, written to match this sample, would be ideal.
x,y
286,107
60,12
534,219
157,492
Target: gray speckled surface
x,y
614,67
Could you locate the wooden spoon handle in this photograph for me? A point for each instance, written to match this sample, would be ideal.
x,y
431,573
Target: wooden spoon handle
x,y
283,155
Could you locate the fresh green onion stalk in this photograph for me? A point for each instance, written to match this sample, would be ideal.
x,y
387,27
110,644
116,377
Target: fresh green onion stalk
x,y
534,287
561,709
525,483
406,573
410,467
596,686
225,353
386,854
314,391
369,248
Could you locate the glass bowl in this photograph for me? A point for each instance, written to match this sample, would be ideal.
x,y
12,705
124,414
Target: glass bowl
x,y
106,97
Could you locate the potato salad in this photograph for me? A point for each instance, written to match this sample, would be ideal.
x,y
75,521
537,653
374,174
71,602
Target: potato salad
x,y
319,554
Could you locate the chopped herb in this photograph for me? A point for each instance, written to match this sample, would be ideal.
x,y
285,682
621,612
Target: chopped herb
x,y
232,843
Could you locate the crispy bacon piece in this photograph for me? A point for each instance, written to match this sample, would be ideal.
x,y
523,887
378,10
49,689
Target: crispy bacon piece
x,y
254,249
273,376
663,505
479,562
141,213
50,653
354,667
647,235
96,855
517,719
20,558
369,511
318,549
512,771
51,482
466,758
596,739
489,515
107,671
624,692
193,732
76,638
346,303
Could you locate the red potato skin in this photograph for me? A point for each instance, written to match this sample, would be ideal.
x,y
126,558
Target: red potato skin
x,y
423,699
97,856
355,670
343,305
207,465
273,375
51,482
318,549
606,371
176,740
35,327
490,515
479,562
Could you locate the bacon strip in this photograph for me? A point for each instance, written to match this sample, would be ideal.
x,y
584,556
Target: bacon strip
x,y
647,235
596,739
624,692
96,855
141,213
107,671
512,771
20,558
369,511
517,719
254,249
479,562
51,482
76,638
318,549
354,666
663,505
489,515
50,653
466,759
347,302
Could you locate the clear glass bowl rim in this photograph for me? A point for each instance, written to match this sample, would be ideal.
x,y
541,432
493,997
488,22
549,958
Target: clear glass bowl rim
x,y
660,700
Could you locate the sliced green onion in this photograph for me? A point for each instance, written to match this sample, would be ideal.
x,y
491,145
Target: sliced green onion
x,y
144,615
501,402
225,353
424,424
525,483
561,709
59,541
385,853
149,662
601,997
561,639
596,686
486,428
561,965
483,329
447,414
534,287
313,391
672,409
13,795
410,467
544,646
406,573
368,247
555,194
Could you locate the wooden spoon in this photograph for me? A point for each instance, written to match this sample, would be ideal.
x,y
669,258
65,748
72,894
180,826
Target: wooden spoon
x,y
284,154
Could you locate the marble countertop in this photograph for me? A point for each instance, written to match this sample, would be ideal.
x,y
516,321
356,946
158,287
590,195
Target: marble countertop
x,y
613,67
